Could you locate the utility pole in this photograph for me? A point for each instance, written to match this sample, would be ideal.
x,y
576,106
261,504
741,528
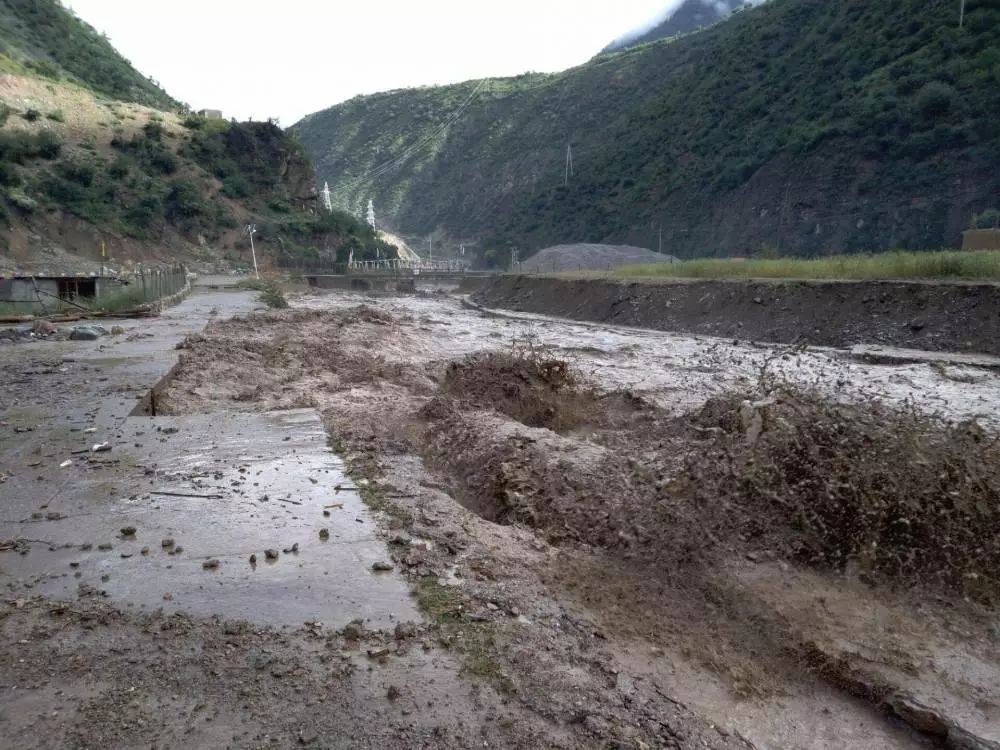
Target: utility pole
x,y
569,164
660,244
251,230
961,14
781,219
430,247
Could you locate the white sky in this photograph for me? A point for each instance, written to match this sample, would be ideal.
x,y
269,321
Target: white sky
x,y
289,58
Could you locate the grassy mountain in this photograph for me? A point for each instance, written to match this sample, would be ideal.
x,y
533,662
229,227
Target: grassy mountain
x,y
802,126
689,16
44,38
93,155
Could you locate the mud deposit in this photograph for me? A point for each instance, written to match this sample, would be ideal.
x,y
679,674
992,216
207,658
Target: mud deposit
x,y
619,533
931,316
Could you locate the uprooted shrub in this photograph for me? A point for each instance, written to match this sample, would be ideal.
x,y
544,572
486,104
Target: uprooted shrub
x,y
524,383
902,496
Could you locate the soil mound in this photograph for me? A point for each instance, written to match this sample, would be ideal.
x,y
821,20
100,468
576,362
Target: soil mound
x,y
891,494
590,257
523,383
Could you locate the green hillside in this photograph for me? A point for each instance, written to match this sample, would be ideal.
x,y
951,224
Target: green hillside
x,y
44,38
799,126
95,159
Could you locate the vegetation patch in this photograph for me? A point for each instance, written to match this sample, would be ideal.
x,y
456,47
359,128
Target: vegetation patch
x,y
894,265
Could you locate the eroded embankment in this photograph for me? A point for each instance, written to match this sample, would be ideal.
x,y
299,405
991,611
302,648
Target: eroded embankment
x,y
917,315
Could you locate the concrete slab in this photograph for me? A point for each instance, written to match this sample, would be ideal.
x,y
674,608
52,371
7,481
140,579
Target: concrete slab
x,y
264,480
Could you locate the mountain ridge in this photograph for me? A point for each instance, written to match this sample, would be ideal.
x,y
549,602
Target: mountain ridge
x,y
689,16
797,126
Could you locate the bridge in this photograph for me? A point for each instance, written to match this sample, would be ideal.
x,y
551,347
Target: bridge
x,y
397,274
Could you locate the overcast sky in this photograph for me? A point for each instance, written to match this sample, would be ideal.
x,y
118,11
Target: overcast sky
x,y
288,58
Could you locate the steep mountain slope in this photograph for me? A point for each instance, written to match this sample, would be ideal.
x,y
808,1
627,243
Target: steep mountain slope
x,y
88,177
42,37
689,16
801,125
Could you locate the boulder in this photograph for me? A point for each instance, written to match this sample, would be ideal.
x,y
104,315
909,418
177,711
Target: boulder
x,y
87,333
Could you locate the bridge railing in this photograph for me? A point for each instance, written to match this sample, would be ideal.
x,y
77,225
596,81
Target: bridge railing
x,y
395,265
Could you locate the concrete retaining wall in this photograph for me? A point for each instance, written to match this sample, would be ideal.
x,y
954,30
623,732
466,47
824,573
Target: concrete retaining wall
x,y
930,316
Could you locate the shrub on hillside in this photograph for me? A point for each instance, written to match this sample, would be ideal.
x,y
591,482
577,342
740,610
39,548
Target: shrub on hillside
x,y
988,219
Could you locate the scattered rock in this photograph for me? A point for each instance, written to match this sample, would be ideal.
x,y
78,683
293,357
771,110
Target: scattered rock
x,y
104,547
211,564
42,328
324,534
117,330
168,542
271,554
393,693
378,653
87,333
128,530
253,559
381,566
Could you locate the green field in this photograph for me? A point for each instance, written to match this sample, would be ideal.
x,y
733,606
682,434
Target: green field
x,y
895,265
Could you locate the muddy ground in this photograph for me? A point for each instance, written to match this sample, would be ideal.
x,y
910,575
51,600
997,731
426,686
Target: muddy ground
x,y
958,317
586,575
561,572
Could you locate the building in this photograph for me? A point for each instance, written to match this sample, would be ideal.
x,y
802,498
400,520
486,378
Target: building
x,y
34,289
211,114
981,239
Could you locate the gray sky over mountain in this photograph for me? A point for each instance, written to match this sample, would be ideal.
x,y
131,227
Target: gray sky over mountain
x,y
287,59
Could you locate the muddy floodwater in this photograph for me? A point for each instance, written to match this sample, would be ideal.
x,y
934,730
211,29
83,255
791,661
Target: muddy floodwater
x,y
680,371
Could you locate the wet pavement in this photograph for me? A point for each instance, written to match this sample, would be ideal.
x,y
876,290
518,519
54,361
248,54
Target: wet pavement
x,y
222,487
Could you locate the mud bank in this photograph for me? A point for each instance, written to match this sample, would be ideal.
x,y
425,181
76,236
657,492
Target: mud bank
x,y
916,315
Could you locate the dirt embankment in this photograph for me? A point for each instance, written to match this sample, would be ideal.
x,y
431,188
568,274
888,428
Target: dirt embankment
x,y
931,316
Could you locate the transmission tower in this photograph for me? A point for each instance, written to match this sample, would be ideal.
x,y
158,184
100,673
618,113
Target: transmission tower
x,y
327,200
371,214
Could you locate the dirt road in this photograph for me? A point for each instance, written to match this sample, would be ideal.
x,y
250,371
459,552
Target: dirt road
x,y
565,598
